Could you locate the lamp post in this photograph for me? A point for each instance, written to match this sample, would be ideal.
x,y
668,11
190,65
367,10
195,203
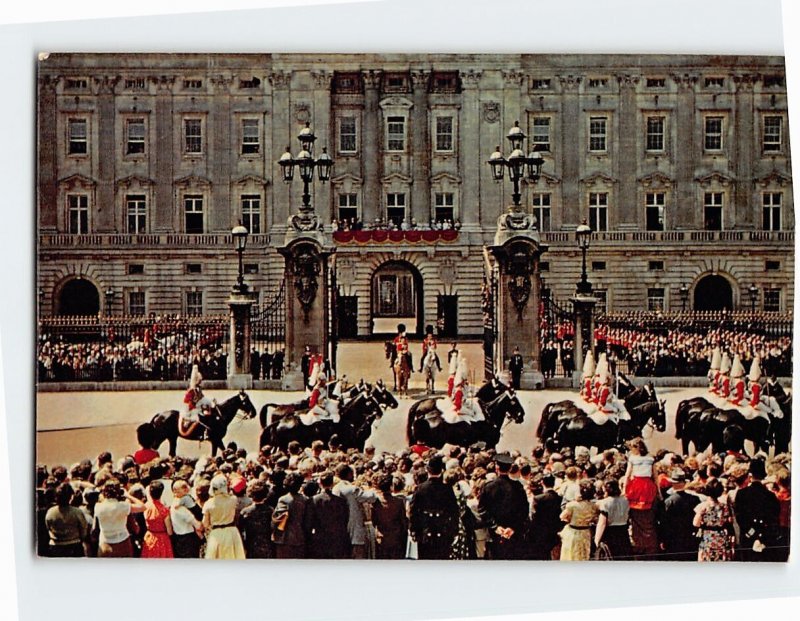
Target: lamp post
x,y
753,291
583,236
306,164
684,293
110,293
239,234
518,164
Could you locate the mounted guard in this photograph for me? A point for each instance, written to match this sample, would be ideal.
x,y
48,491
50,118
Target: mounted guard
x,y
586,376
713,371
428,343
737,381
198,407
320,407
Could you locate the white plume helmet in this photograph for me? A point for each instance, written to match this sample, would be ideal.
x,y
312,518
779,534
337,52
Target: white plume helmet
x,y
737,370
461,371
601,370
195,378
755,370
725,366
588,364
453,366
716,359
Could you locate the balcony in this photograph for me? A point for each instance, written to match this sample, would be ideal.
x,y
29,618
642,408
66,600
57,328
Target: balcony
x,y
154,240
674,237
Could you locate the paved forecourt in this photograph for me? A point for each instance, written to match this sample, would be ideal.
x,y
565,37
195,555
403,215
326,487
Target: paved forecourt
x,y
75,425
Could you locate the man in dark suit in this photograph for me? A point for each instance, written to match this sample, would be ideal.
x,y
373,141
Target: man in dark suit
x,y
255,364
329,515
277,363
546,522
255,523
503,508
305,365
675,515
266,364
756,509
434,514
515,365
290,521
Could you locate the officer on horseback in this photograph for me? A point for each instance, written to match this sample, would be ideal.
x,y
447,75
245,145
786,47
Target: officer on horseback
x,y
428,343
198,406
320,407
401,340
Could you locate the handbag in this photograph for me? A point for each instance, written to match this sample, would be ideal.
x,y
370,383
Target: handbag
x,y
602,553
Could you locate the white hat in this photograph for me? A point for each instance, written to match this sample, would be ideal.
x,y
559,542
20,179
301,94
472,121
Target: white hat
x,y
453,367
588,364
725,366
755,370
716,359
195,378
219,485
737,370
461,372
601,370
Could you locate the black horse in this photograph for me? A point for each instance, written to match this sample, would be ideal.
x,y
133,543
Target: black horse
x,y
700,422
497,402
781,427
353,429
164,425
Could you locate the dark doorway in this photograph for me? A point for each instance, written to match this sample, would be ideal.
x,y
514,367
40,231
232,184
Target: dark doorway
x,y
79,297
713,293
447,316
347,316
397,298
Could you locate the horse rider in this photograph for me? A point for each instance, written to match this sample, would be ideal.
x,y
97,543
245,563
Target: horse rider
x,y
320,407
586,376
599,378
754,383
737,380
724,380
463,403
400,342
452,369
198,406
428,343
609,404
318,369
713,371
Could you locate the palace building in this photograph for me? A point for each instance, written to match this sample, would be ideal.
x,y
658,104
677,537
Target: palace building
x,y
679,164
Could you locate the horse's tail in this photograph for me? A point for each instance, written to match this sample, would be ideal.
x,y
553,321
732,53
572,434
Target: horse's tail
x,y
412,414
263,415
680,418
543,419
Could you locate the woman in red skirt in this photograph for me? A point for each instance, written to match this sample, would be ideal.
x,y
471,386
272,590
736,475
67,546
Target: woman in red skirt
x,y
641,492
157,543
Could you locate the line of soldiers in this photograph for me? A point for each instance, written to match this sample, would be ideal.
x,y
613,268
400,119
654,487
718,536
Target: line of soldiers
x,y
727,380
596,390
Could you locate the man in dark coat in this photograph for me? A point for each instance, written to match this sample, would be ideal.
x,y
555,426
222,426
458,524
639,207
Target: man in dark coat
x,y
675,515
290,521
434,514
503,508
266,364
255,364
515,365
255,523
329,515
277,364
756,509
305,365
567,358
546,522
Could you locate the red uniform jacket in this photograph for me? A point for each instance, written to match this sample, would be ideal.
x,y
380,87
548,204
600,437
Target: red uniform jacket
x,y
755,388
314,398
429,341
738,391
191,398
458,398
401,344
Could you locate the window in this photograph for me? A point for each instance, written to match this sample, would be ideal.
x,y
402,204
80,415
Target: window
x,y
598,82
135,84
540,133
251,213
655,133
597,133
444,82
136,208
135,269
654,211
136,305
715,82
80,84
712,206
773,126
541,210
393,294
194,268
598,266
598,211
656,82
772,266
655,299
250,83
193,135
194,303
193,211
350,83
541,84
655,266
544,266
396,208
78,207
395,83
134,136
348,207
713,133
772,300
771,81
78,144
396,133
251,142
250,268
347,134
771,202
193,84
602,300
444,133
443,206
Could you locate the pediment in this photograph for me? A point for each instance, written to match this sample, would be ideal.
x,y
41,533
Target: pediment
x,y
772,179
251,180
77,181
656,179
544,178
193,181
714,178
598,178
396,103
345,178
133,180
445,177
396,178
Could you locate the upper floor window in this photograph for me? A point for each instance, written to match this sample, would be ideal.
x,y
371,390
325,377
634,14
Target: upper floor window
x,y
347,83
443,207
444,82
655,133
773,134
136,208
395,133
76,84
348,207
540,133
444,133
249,83
597,133
771,81
135,84
713,133
193,135
396,208
78,137
598,211
395,83
712,208
714,82
655,82
193,213
347,134
541,84
251,213
193,84
135,136
78,214
771,210
654,210
541,209
598,82
251,141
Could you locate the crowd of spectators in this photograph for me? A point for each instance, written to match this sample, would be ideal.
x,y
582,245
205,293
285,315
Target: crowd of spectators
x,y
379,224
454,503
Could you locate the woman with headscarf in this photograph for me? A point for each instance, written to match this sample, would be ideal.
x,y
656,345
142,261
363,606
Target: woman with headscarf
x,y
223,540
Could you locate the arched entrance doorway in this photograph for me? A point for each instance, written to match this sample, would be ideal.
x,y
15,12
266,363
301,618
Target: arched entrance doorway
x,y
79,297
713,293
397,298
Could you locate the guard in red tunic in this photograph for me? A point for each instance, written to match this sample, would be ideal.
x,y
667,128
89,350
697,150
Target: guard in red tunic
x,y
401,340
428,343
737,380
724,381
197,404
713,371
754,379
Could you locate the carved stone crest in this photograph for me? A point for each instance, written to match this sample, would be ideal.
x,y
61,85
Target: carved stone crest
x,y
306,271
302,112
491,112
519,269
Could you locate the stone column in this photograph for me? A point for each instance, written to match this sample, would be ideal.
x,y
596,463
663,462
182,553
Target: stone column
x,y
471,161
371,145
583,306
420,150
224,205
325,131
742,152
105,207
571,152
688,212
164,209
239,376
281,138
47,155
627,154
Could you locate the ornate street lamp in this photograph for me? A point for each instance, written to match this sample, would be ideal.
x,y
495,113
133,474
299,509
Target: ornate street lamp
x,y
583,236
684,292
753,291
306,163
518,163
239,234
